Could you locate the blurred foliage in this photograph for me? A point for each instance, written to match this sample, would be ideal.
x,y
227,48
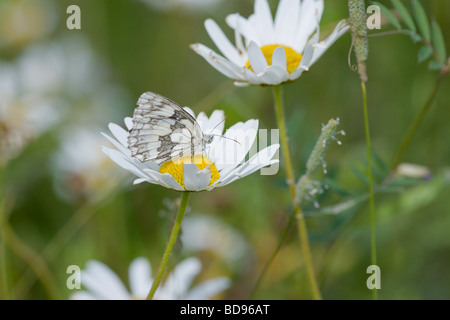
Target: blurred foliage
x,y
65,220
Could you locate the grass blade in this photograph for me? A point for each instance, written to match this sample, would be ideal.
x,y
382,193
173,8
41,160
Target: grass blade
x,y
388,14
404,14
438,42
421,19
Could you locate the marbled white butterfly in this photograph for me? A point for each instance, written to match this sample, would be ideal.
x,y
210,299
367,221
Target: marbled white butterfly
x,y
163,131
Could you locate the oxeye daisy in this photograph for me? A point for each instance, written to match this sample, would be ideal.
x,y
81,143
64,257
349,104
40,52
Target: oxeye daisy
x,y
166,144
101,283
276,50
221,162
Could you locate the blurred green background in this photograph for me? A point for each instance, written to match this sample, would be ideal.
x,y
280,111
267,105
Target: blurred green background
x,y
63,202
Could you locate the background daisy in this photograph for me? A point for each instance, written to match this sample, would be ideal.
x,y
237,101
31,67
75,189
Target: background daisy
x,y
276,50
101,283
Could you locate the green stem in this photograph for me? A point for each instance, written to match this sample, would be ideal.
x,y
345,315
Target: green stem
x,y
301,225
170,244
415,124
3,253
373,239
273,255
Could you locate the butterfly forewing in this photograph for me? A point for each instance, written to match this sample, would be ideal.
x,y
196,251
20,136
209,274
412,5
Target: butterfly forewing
x,y
162,130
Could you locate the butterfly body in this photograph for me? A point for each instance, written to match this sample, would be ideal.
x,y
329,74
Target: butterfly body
x,y
164,131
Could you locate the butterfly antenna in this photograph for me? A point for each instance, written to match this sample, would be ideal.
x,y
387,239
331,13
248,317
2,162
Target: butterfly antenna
x,y
218,135
224,118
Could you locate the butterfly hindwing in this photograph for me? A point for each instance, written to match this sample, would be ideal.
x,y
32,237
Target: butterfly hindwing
x,y
162,130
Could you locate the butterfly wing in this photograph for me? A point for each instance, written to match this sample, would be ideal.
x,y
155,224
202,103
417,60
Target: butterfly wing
x,y
162,130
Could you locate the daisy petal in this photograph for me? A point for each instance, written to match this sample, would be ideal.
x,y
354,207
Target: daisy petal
x,y
222,65
180,279
256,58
103,282
279,58
208,289
221,41
195,179
287,15
236,21
263,19
341,28
139,275
275,75
310,15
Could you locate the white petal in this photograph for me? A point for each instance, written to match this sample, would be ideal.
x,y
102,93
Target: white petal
x,y
256,58
251,77
275,75
119,133
124,162
239,139
216,122
296,74
189,110
208,289
258,161
129,123
139,275
180,279
83,295
286,17
103,282
310,15
118,145
263,21
169,181
222,65
195,179
338,31
222,42
202,120
279,58
236,21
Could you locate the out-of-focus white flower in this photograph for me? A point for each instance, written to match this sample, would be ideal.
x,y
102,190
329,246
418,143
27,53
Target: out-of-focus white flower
x,y
80,168
276,50
201,232
37,87
411,170
222,163
183,5
25,21
101,283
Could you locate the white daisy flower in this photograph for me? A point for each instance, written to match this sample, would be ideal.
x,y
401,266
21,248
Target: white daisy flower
x,y
277,50
222,162
80,169
101,283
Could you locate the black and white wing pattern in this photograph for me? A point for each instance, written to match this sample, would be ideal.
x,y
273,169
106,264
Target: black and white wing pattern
x,y
163,131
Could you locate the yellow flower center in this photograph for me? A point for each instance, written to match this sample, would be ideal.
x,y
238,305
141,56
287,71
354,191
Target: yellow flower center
x,y
175,167
293,58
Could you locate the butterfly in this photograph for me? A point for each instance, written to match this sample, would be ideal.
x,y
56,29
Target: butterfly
x,y
163,131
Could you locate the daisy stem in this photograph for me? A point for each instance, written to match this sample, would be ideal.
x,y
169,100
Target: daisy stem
x,y
170,243
298,214
415,124
373,239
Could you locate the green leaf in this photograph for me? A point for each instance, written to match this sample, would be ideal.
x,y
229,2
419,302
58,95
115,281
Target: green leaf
x,y
388,14
434,65
438,42
424,53
422,20
404,14
415,37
